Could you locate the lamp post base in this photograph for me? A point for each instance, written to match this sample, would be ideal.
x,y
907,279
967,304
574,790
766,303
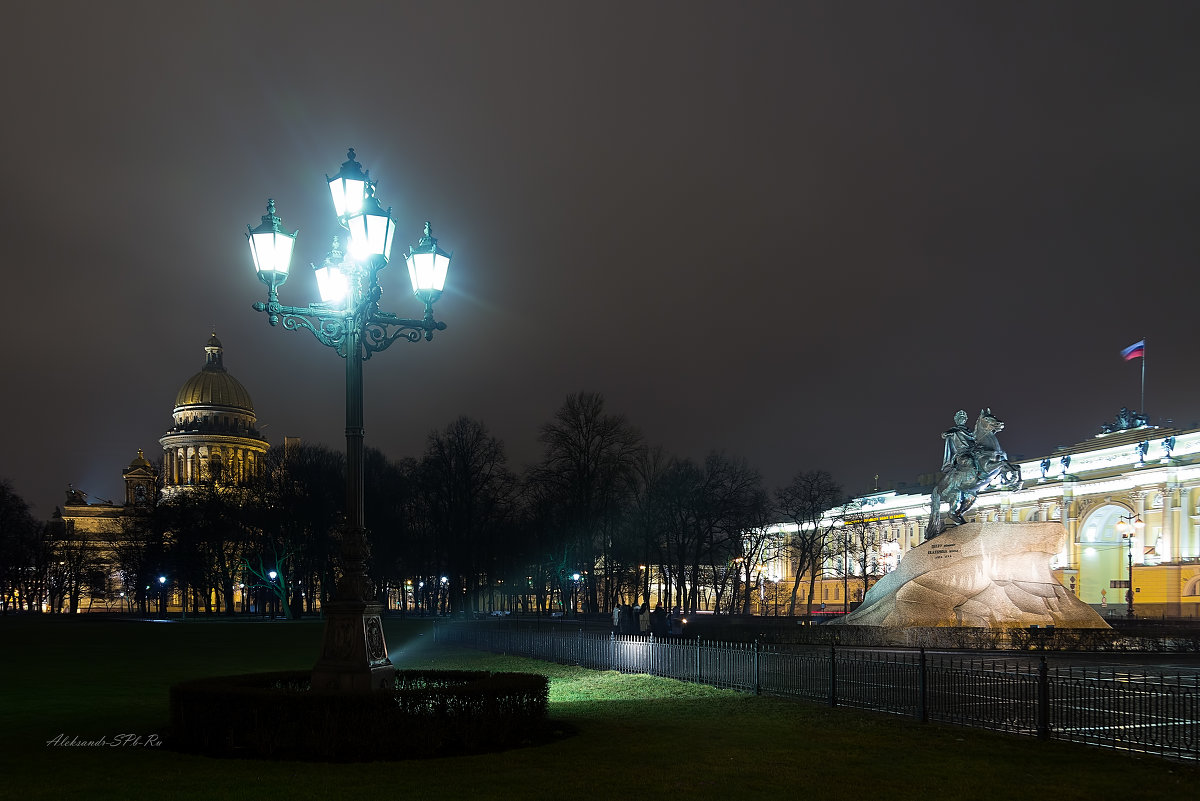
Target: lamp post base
x,y
353,654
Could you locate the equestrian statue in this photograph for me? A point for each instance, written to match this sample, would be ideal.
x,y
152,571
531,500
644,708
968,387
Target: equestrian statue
x,y
971,460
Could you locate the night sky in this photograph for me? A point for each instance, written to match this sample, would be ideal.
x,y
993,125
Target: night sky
x,y
802,233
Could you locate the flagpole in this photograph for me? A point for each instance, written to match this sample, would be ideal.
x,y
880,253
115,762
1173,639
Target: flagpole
x,y
1144,380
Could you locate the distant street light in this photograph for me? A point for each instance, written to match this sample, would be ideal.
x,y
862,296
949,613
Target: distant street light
x,y
1128,527
348,319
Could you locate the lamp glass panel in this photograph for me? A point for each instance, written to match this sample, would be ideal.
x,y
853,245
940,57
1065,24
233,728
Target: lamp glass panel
x,y
427,271
380,229
371,235
347,194
332,284
272,252
359,245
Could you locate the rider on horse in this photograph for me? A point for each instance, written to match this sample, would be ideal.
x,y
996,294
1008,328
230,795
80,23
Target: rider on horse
x,y
970,461
960,448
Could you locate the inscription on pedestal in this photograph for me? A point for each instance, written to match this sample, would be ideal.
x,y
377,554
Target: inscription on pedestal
x,y
944,550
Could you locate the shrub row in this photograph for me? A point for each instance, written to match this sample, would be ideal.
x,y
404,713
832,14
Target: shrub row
x,y
430,713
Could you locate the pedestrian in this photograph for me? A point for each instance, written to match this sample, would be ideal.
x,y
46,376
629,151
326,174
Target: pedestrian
x,y
632,619
643,618
675,622
616,619
658,622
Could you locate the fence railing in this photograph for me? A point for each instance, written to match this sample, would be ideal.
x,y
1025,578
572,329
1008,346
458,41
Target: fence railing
x,y
1132,711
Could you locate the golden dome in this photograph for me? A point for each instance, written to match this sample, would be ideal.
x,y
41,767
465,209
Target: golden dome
x,y
214,386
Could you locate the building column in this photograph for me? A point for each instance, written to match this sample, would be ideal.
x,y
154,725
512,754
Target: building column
x,y
1187,543
1070,520
1169,552
1139,508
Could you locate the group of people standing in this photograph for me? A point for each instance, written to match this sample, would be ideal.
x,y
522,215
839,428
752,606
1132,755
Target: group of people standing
x,y
640,619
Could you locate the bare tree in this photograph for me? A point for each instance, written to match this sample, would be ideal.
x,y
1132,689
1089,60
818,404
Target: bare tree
x,y
24,554
471,494
391,490
589,468
298,507
732,501
805,503
754,543
646,519
858,542
74,564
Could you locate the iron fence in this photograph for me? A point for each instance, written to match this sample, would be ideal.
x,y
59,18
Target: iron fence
x,y
1136,711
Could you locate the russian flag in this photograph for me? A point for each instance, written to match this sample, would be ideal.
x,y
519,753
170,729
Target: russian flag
x,y
1135,351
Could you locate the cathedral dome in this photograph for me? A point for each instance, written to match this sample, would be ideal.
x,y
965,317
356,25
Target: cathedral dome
x,y
139,461
214,386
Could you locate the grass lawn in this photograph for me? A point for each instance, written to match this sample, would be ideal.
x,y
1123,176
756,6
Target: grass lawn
x,y
622,736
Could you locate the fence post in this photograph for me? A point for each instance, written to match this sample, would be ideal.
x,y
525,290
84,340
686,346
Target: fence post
x,y
833,675
697,660
922,708
612,651
1043,700
757,670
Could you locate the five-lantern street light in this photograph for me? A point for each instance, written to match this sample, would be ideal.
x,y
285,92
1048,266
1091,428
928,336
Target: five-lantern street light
x,y
348,319
1128,527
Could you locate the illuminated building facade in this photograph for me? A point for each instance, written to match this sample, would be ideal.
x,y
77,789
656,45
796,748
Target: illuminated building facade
x,y
212,438
1129,499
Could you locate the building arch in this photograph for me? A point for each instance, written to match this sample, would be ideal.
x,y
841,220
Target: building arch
x,y
1105,555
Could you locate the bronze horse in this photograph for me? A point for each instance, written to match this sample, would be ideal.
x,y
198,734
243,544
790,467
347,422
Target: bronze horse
x,y
969,472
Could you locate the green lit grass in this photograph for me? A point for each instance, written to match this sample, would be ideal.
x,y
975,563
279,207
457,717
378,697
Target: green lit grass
x,y
617,735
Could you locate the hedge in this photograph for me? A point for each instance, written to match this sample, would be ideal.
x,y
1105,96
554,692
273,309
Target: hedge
x,y
430,713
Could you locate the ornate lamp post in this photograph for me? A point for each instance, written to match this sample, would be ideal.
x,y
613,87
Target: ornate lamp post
x,y
348,319
1128,526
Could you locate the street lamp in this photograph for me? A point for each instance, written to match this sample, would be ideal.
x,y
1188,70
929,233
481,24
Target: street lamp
x,y
162,606
348,319
273,597
1129,526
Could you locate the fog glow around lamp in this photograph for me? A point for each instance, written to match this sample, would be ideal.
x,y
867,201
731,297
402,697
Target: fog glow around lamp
x,y
333,276
271,247
348,187
371,231
427,267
